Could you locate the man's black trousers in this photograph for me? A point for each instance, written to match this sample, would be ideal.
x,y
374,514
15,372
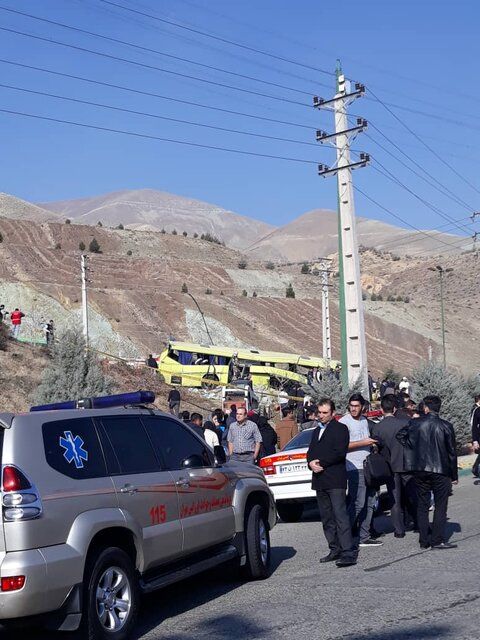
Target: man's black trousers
x,y
401,488
441,486
336,523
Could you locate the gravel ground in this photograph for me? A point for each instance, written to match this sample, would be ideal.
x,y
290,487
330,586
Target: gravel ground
x,y
395,592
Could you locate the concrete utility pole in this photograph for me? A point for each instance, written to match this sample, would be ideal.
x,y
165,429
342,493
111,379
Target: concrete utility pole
x,y
326,341
440,270
84,298
352,324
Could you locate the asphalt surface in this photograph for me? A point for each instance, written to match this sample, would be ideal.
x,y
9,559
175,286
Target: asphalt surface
x,y
395,592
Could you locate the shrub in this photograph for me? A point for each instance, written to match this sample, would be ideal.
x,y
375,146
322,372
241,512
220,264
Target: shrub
x,y
270,266
209,237
305,268
73,372
330,387
364,296
202,237
68,221
184,234
81,246
374,297
406,299
94,247
242,264
163,232
174,232
99,224
184,288
129,252
4,336
1,237
244,293
195,235
221,293
289,291
208,291
399,298
380,297
391,298
58,245
392,374
395,258
120,226
456,393
254,294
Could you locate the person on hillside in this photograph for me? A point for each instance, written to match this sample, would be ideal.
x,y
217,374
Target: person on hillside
x,y
475,424
360,498
174,399
185,416
401,487
244,439
286,428
404,385
16,320
151,362
48,329
3,313
430,454
326,458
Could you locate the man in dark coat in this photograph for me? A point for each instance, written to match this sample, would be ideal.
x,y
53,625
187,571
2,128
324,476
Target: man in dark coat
x,y
430,453
401,488
326,458
269,437
475,424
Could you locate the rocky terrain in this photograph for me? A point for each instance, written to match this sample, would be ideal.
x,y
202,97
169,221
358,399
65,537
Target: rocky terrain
x,y
136,301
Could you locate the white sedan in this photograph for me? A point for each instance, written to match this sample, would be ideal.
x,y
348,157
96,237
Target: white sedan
x,y
289,477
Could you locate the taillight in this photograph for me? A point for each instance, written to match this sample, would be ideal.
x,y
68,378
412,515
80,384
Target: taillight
x,y
14,480
267,466
12,583
21,500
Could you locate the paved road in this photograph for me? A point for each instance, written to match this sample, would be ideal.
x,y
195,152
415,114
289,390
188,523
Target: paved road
x,y
395,592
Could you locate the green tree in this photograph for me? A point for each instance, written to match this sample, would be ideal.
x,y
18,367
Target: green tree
x,y
184,288
270,266
129,252
406,299
254,294
374,297
174,232
94,247
244,293
364,296
1,237
391,298
305,268
380,297
120,226
208,291
184,234
73,372
242,264
68,221
195,235
455,390
392,374
99,224
81,246
163,232
330,387
58,245
399,298
289,291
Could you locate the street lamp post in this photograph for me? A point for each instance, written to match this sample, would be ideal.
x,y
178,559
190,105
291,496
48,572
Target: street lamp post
x,y
440,270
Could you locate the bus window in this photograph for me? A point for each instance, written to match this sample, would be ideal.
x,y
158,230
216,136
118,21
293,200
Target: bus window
x,y
185,357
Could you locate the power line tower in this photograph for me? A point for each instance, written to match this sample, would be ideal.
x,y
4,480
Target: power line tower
x,y
352,324
84,298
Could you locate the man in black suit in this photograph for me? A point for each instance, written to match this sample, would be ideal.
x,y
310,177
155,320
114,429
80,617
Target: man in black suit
x,y
401,487
326,458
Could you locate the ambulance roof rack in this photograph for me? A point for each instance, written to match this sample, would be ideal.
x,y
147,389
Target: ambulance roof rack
x,y
134,398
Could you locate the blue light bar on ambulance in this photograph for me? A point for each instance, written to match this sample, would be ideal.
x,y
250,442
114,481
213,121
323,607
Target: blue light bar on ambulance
x,y
102,402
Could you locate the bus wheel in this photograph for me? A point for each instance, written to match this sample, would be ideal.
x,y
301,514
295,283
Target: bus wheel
x,y
206,384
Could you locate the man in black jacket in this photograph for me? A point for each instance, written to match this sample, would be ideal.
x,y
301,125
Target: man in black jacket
x,y
401,487
326,458
430,453
475,424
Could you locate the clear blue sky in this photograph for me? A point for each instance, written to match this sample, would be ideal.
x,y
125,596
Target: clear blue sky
x,y
422,55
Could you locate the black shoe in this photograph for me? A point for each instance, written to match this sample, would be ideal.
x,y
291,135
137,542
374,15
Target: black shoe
x,y
330,558
444,545
399,535
425,546
344,562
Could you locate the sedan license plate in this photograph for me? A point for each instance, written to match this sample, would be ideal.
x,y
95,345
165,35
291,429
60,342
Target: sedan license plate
x,y
293,468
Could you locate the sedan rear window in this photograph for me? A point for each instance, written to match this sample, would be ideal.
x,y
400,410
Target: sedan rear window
x,y
302,439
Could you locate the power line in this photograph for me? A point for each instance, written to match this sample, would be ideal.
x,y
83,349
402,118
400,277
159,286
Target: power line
x,y
153,67
156,51
155,95
442,187
427,146
152,137
220,39
397,217
154,115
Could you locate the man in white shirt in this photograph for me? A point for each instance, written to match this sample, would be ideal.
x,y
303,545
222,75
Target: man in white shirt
x,y
404,385
360,498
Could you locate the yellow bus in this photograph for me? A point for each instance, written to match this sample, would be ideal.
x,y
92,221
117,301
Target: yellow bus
x,y
195,365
